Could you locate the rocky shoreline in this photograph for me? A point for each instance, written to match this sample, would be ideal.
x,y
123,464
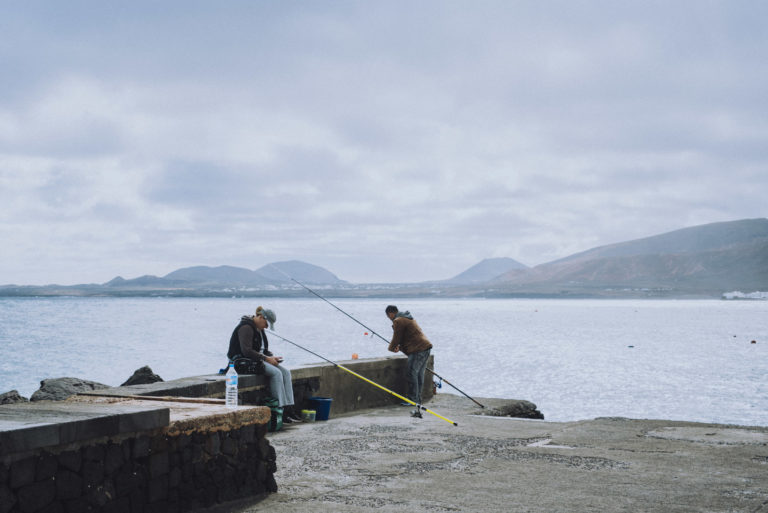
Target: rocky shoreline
x,y
59,389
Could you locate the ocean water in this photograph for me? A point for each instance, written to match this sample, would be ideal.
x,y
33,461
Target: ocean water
x,y
576,359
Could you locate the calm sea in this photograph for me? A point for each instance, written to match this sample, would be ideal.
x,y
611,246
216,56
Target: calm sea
x,y
576,359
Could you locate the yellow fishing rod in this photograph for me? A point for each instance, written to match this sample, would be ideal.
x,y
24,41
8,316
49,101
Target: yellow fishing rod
x,y
419,406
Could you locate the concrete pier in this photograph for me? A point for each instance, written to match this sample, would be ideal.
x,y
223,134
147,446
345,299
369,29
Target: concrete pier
x,y
382,460
371,455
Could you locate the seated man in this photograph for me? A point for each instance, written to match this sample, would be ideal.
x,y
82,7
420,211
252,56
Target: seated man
x,y
247,340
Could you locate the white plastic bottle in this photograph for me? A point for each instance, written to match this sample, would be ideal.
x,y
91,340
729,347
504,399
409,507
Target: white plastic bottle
x,y
230,395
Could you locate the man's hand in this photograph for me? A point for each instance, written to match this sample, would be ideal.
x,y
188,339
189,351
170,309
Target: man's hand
x,y
272,360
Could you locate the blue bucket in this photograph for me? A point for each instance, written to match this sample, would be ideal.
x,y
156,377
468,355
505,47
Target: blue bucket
x,y
322,405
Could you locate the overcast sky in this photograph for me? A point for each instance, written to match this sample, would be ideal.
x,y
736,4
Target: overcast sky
x,y
389,141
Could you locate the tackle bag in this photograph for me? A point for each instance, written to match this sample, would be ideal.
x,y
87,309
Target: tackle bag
x,y
245,365
276,420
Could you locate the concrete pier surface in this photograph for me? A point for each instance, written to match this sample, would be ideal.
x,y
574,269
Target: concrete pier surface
x,y
383,460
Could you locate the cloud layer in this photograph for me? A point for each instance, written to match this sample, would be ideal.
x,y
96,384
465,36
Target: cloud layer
x,y
386,142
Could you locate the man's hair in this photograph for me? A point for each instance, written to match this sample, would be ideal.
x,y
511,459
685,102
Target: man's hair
x,y
391,309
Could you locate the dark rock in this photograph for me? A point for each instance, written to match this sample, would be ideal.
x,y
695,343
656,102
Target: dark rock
x,y
213,444
12,397
54,507
158,489
518,409
37,495
71,460
68,485
142,376
101,495
7,499
46,467
122,505
113,459
22,472
174,477
229,446
158,464
140,447
93,473
78,505
58,389
129,481
94,453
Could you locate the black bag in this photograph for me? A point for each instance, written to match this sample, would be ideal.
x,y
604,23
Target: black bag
x,y
247,366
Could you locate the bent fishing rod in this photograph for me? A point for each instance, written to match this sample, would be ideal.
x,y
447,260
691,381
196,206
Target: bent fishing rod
x,y
418,406
382,338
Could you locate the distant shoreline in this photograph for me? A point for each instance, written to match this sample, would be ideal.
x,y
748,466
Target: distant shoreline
x,y
372,292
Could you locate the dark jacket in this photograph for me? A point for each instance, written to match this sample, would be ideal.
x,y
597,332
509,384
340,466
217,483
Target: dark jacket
x,y
407,336
247,340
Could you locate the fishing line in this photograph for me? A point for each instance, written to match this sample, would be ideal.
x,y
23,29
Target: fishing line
x,y
374,333
418,406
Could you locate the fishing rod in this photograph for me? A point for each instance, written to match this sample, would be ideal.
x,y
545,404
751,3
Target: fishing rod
x,y
418,406
374,333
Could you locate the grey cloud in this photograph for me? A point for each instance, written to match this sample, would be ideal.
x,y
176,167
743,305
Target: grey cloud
x,y
379,135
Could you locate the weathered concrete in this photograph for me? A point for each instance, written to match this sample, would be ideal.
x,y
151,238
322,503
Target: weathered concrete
x,y
383,460
211,385
36,425
350,393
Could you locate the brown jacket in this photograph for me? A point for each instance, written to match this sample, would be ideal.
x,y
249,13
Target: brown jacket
x,y
408,337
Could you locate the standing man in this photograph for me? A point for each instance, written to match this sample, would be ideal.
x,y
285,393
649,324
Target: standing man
x,y
247,340
409,339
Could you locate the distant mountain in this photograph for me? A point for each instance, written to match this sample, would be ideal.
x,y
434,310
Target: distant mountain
x,y
221,275
143,281
486,270
282,272
701,259
225,276
696,239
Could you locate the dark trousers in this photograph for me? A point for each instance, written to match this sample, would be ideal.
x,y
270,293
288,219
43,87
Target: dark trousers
x,y
417,364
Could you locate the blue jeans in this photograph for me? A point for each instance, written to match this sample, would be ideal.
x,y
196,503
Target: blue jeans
x,y
280,383
417,364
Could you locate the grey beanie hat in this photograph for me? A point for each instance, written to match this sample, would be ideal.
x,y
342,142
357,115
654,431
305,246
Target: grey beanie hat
x,y
269,315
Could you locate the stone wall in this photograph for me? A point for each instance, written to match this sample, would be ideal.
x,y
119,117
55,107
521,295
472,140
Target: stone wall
x,y
173,469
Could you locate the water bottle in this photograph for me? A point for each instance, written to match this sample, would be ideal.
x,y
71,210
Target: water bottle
x,y
230,396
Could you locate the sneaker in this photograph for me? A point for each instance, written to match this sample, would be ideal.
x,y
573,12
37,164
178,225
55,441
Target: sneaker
x,y
295,418
416,414
287,420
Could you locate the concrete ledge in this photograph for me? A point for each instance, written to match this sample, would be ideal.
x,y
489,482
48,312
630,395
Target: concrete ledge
x,y
30,426
210,385
350,393
188,415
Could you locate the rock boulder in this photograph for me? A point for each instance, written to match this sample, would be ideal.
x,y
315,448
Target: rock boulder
x,y
515,408
12,397
142,376
58,389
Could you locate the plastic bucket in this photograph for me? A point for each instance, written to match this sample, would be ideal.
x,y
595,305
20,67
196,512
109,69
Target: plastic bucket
x,y
322,407
308,415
